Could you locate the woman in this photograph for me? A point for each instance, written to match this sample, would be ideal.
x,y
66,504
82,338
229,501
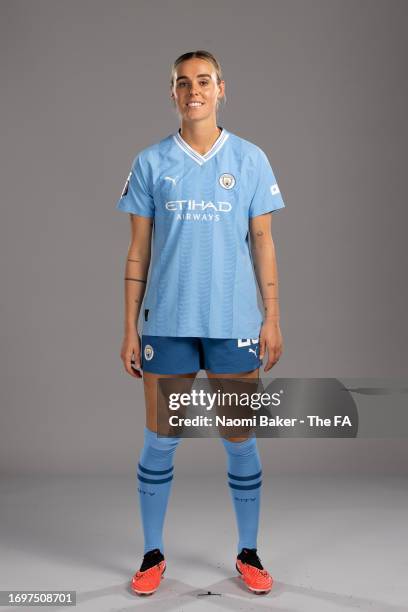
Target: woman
x,y
203,189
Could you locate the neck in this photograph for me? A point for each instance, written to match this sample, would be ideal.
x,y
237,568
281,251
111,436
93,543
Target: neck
x,y
200,135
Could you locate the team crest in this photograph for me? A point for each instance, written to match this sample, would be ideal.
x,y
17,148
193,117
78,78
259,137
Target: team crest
x,y
148,352
227,180
126,187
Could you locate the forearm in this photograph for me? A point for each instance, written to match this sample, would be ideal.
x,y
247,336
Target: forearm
x,y
135,278
264,258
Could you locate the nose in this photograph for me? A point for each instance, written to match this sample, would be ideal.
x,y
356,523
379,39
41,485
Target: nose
x,y
193,90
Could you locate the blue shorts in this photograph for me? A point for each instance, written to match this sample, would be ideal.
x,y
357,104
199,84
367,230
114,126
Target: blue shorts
x,y
179,355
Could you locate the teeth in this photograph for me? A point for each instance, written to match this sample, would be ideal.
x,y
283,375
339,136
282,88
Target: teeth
x,y
195,104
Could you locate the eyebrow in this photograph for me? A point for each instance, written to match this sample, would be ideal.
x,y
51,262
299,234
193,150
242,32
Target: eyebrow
x,y
198,75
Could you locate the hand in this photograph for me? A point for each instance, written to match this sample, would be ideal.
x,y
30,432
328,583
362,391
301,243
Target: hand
x,y
270,338
131,348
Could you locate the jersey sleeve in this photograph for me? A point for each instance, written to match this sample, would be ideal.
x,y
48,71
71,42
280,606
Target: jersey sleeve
x,y
267,196
136,196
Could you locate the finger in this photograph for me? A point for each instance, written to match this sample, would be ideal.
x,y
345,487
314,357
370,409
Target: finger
x,y
128,365
268,366
137,360
136,363
271,358
262,345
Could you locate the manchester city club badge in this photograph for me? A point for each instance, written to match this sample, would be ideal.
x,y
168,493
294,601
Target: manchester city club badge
x,y
227,180
148,352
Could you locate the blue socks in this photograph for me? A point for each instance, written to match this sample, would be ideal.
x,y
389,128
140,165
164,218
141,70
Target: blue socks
x,y
244,479
155,475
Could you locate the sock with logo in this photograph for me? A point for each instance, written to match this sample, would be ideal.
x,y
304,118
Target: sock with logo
x,y
155,475
244,480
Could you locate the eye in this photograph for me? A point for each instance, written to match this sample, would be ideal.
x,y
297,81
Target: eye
x,y
204,82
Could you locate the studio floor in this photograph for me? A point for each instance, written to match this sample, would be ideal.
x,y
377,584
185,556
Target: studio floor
x,y
331,543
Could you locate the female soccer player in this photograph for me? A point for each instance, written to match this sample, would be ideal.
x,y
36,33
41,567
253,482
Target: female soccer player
x,y
203,189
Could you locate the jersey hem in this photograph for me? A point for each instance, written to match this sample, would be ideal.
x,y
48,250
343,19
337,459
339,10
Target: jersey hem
x,y
216,335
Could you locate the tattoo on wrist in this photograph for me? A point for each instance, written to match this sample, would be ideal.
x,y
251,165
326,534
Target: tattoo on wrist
x,y
133,259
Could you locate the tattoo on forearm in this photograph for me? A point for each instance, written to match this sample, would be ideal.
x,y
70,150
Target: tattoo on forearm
x,y
139,280
270,284
259,233
133,259
276,314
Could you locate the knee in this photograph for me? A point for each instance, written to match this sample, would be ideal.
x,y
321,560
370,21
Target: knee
x,y
167,443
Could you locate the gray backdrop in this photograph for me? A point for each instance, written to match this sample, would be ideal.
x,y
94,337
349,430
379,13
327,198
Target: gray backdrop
x,y
320,85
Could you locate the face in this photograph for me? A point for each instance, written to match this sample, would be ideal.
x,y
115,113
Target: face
x,y
195,80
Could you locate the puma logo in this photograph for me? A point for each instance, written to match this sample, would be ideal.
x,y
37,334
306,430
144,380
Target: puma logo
x,y
252,351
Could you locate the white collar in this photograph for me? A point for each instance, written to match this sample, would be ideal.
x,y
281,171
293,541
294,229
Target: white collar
x,y
201,159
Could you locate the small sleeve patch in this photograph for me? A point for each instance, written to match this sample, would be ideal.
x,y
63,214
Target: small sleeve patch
x,y
126,187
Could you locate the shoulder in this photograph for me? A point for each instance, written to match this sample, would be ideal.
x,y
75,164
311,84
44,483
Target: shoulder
x,y
247,147
150,154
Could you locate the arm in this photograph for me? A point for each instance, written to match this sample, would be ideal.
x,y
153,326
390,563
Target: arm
x,y
263,255
135,277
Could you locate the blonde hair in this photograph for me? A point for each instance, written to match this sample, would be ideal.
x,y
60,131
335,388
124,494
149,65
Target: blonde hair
x,y
201,54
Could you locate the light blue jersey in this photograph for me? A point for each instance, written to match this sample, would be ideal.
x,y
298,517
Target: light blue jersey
x,y
201,281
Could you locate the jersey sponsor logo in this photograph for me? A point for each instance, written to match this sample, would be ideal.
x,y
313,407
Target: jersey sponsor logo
x,y
126,187
275,189
201,206
190,210
227,180
148,352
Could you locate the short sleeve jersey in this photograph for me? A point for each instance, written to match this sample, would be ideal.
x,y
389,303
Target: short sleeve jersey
x,y
201,280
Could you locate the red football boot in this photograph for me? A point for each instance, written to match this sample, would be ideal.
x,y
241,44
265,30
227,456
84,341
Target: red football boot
x,y
147,579
250,568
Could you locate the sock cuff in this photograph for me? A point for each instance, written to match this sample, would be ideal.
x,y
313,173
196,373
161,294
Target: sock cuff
x,y
153,439
240,448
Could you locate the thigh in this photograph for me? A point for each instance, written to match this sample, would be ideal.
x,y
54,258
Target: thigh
x,y
150,392
250,374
